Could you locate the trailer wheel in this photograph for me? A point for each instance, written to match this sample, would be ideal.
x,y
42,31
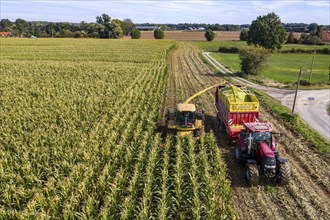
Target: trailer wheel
x,y
238,154
284,175
252,174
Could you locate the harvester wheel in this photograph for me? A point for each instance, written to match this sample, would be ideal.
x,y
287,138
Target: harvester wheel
x,y
284,174
220,126
199,133
252,174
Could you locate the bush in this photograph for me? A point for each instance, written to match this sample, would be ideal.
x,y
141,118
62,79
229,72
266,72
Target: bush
x,y
301,50
244,35
310,39
159,34
209,35
228,50
304,83
135,34
253,59
290,39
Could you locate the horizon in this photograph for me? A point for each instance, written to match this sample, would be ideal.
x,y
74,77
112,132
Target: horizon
x,y
169,12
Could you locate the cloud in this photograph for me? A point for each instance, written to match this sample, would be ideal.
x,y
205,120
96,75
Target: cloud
x,y
318,3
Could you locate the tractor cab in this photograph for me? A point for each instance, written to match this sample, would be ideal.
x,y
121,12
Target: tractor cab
x,y
258,132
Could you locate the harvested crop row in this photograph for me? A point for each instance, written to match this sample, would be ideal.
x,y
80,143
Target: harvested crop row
x,y
307,196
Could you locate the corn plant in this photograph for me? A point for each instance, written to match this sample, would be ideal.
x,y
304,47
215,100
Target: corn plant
x,y
77,135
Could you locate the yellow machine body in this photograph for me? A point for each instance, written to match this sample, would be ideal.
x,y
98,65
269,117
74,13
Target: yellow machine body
x,y
185,120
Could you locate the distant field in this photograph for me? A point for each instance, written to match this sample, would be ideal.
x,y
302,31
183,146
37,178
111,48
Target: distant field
x,y
284,68
193,35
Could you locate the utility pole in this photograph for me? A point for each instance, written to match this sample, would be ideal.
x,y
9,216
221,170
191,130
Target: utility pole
x,y
310,73
295,95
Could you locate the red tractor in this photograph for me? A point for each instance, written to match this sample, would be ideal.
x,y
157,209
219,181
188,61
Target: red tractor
x,y
256,149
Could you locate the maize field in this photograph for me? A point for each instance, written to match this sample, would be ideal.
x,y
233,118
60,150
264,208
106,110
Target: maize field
x,y
78,137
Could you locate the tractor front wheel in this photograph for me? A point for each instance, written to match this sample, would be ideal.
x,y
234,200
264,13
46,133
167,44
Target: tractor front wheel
x,y
252,174
284,175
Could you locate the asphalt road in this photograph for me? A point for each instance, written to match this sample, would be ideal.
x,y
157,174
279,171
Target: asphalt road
x,y
311,105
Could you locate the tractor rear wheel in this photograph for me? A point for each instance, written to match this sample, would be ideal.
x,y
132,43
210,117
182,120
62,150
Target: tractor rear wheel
x,y
284,175
252,174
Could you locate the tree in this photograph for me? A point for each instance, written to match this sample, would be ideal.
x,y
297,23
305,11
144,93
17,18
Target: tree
x,y
5,25
116,30
319,31
312,28
128,26
22,26
310,39
104,20
290,39
253,59
267,31
135,34
244,35
209,35
159,34
50,29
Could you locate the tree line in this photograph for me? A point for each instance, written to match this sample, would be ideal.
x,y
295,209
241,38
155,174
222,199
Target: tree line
x,y
294,27
104,27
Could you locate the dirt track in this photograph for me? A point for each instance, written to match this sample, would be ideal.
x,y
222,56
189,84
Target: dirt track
x,y
308,194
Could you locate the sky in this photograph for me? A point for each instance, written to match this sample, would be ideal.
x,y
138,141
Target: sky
x,y
170,11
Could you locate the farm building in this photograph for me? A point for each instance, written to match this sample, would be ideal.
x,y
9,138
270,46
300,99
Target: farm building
x,y
326,36
5,34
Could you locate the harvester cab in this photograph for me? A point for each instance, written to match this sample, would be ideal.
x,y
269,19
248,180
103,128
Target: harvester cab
x,y
185,120
256,148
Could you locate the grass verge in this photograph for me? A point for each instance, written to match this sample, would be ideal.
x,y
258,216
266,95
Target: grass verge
x,y
293,122
283,69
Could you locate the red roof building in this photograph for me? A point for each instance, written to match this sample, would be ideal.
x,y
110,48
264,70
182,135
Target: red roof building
x,y
326,36
5,34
